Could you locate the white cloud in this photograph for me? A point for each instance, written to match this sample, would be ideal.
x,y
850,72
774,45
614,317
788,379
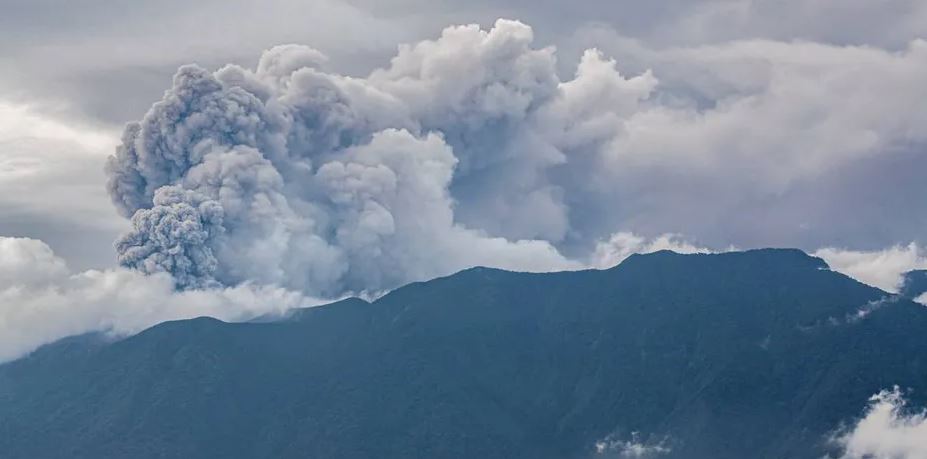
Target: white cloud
x,y
880,268
889,430
621,245
28,262
41,300
756,142
633,448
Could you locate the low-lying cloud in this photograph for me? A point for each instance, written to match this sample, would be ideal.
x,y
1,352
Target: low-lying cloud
x,y
880,268
292,175
889,430
42,300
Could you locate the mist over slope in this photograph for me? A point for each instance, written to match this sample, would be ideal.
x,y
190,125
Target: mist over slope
x,y
749,354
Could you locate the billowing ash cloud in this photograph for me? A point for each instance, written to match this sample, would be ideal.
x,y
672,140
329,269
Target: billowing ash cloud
x,y
175,236
471,149
292,175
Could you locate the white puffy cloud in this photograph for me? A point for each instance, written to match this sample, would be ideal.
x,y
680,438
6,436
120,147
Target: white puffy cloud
x,y
759,143
41,300
884,269
619,246
889,430
28,262
782,107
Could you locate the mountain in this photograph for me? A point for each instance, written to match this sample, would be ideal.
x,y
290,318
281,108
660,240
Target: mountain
x,y
757,354
914,284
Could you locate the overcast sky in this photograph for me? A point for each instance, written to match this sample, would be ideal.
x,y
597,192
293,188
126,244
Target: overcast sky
x,y
797,122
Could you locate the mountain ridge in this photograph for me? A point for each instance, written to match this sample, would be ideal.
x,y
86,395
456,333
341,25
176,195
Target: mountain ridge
x,y
705,354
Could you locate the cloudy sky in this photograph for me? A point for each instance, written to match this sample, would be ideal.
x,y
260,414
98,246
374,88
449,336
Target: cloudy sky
x,y
334,147
785,123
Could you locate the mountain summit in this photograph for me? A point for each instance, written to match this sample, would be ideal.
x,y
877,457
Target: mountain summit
x,y
759,354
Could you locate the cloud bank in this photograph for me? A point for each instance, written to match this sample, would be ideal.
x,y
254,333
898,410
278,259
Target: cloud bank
x,y
880,268
42,300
